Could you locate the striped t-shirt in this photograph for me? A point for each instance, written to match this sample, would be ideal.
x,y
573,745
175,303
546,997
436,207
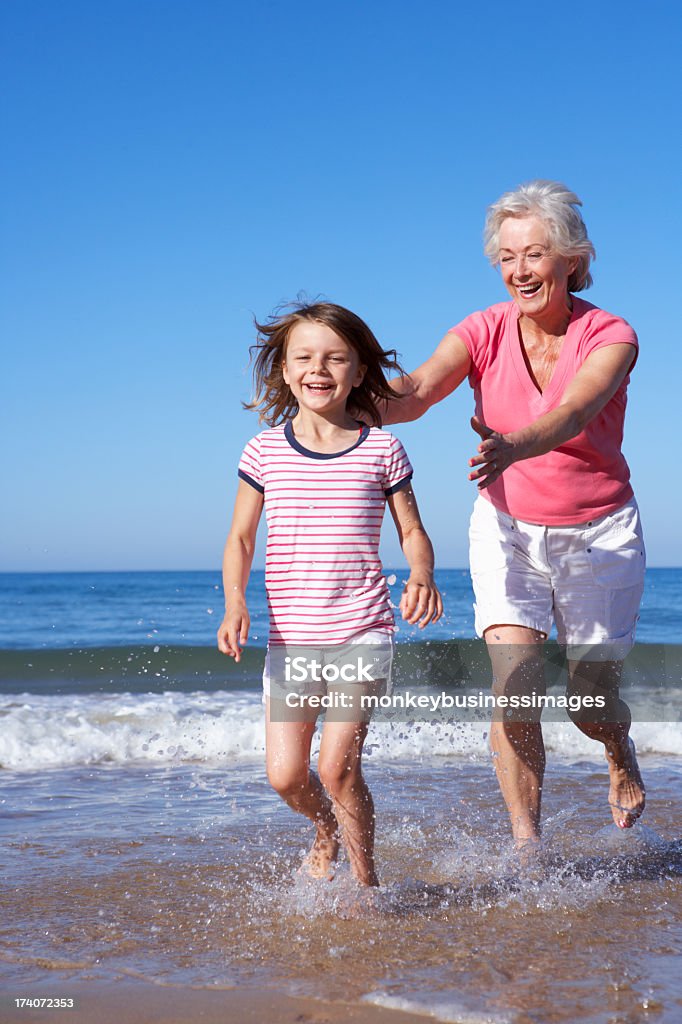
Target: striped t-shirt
x,y
324,511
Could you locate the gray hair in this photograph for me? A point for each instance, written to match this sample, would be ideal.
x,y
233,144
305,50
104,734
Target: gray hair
x,y
557,206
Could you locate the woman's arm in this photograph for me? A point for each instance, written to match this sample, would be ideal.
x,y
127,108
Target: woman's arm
x,y
595,384
421,602
241,541
429,383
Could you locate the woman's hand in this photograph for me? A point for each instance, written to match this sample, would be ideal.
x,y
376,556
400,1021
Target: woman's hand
x,y
421,602
595,384
496,453
233,631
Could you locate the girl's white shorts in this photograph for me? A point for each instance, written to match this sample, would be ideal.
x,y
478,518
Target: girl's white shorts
x,y
364,659
587,579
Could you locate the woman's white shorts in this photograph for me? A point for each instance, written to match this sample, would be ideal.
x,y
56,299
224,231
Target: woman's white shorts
x,y
587,579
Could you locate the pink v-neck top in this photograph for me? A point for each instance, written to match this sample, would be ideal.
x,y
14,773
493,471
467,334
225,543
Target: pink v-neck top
x,y
587,476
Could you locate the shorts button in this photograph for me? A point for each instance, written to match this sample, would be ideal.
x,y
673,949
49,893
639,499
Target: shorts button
x,y
588,550
589,524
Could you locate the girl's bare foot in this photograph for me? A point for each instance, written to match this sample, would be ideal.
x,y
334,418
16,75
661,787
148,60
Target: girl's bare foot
x,y
320,861
626,792
527,851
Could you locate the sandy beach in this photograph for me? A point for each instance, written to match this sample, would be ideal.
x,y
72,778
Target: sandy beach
x,y
173,895
144,1003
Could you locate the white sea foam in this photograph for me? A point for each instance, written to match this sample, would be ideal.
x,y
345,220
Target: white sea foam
x,y
60,731
448,1008
56,732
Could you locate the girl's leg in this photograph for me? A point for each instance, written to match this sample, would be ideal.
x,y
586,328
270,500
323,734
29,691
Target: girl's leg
x,y
287,757
611,726
516,655
341,773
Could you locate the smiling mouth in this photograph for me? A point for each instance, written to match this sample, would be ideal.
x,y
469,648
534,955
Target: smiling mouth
x,y
528,290
319,389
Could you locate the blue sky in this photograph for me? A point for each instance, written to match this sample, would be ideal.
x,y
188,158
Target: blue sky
x,y
174,168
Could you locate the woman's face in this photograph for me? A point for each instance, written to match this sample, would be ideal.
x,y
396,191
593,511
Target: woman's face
x,y
534,275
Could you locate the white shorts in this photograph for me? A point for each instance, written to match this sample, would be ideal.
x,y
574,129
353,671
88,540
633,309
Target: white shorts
x,y
587,579
374,648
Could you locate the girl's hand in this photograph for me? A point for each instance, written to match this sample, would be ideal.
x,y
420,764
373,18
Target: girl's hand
x,y
496,453
421,601
234,629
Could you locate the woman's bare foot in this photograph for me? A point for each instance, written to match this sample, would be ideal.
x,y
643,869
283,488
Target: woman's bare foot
x,y
320,861
626,792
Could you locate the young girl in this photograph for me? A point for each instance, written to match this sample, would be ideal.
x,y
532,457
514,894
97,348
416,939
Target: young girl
x,y
324,479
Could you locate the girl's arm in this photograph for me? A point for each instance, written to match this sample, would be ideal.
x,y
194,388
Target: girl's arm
x,y
429,383
241,541
421,602
595,384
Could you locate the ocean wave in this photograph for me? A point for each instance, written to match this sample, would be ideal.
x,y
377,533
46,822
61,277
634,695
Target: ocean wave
x,y
185,669
137,669
57,732
225,727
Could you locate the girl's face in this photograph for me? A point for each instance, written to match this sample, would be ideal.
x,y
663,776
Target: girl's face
x,y
320,367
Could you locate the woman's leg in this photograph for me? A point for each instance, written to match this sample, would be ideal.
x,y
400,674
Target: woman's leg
x,y
287,758
516,655
340,770
610,725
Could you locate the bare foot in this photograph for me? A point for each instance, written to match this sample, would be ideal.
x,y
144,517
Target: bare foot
x,y
527,850
626,792
320,861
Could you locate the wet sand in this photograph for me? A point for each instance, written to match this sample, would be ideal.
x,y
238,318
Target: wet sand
x,y
128,1002
173,895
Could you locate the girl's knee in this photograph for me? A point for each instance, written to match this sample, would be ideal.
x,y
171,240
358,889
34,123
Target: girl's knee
x,y
288,780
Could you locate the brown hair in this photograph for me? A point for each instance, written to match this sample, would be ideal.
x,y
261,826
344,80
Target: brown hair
x,y
272,396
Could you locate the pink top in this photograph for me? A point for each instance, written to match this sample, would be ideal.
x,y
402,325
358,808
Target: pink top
x,y
323,575
587,476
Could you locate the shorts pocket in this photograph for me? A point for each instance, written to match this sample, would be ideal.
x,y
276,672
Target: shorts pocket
x,y
491,539
616,554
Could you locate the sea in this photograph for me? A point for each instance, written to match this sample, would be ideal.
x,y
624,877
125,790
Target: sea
x,y
140,838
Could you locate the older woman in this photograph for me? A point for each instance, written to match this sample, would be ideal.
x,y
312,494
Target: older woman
x,y
555,533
